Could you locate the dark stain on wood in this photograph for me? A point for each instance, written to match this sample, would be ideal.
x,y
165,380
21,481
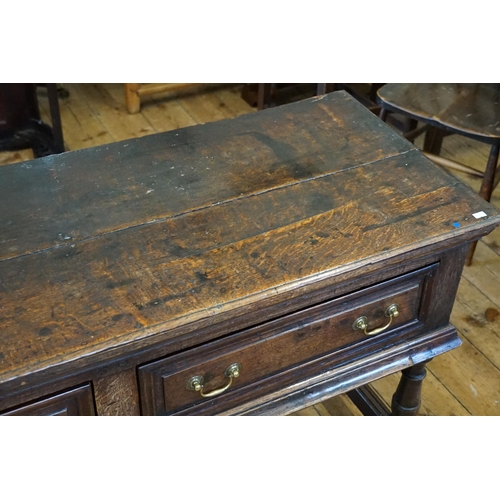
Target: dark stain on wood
x,y
475,321
491,314
43,332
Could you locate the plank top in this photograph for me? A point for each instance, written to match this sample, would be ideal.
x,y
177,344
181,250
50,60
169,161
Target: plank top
x,y
104,247
81,194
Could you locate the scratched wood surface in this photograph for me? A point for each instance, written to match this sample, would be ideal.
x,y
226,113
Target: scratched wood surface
x,y
61,198
95,115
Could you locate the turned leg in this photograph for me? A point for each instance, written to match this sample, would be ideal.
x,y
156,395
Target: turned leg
x,y
406,399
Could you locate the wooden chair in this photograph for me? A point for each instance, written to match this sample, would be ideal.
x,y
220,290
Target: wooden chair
x,y
20,123
468,109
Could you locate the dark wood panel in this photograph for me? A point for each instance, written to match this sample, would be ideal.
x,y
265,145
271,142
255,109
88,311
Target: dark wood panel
x,y
116,394
75,402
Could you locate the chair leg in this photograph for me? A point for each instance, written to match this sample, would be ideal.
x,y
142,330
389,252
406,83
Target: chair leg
x,y
497,179
321,88
470,254
325,88
489,173
383,114
486,189
433,140
263,95
55,116
410,125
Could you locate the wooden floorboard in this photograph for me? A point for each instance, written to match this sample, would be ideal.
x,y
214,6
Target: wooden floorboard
x,y
465,381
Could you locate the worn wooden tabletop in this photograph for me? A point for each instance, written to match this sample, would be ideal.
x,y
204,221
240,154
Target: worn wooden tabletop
x,y
102,247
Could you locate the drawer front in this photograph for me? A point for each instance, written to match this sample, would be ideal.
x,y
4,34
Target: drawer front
x,y
75,402
169,385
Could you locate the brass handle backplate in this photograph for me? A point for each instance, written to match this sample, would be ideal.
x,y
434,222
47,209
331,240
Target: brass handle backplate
x,y
362,322
196,383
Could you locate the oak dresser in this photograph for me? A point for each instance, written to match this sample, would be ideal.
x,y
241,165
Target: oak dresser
x,y
249,266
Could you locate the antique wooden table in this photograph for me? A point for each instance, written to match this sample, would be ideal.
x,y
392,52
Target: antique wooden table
x,y
249,266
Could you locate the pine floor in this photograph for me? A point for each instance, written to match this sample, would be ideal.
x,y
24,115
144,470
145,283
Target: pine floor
x,y
465,381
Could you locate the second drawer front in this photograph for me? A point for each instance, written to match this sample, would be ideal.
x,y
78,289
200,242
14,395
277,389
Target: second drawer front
x,y
278,345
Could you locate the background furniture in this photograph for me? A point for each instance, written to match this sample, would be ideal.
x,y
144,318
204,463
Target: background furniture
x,y
134,92
20,124
469,109
267,92
265,95
179,284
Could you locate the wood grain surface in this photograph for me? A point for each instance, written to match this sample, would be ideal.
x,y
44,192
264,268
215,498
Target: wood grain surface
x,y
81,194
104,246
